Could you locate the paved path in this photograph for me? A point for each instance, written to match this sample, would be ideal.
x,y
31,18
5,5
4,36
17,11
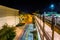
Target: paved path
x,y
27,34
19,32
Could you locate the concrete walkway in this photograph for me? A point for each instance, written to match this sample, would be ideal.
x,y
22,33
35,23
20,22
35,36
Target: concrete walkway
x,y
19,32
27,34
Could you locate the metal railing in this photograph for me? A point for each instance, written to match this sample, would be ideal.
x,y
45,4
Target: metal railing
x,y
46,35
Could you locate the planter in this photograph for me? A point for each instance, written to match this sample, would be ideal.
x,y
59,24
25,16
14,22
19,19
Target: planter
x,y
20,24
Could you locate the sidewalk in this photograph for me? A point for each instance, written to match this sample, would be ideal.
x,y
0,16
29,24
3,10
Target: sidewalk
x,y
48,30
19,32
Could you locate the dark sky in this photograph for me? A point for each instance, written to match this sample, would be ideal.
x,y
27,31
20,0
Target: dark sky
x,y
28,5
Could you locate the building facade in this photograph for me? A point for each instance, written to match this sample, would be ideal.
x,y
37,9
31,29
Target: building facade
x,y
8,16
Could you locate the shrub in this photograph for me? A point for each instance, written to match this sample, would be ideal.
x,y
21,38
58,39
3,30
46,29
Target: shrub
x,y
35,35
7,33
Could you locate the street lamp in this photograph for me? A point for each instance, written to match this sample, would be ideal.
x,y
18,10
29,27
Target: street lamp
x,y
53,20
52,6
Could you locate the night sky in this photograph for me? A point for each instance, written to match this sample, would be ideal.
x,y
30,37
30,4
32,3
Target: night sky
x,y
29,5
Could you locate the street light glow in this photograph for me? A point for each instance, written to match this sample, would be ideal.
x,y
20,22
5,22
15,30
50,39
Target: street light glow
x,y
52,5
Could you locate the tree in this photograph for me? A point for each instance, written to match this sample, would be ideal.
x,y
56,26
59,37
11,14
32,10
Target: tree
x,y
7,33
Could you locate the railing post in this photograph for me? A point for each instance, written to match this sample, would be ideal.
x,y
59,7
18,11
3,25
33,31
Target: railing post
x,y
52,27
43,26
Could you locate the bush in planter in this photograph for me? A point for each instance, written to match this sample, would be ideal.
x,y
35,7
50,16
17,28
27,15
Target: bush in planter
x,y
20,24
35,35
7,33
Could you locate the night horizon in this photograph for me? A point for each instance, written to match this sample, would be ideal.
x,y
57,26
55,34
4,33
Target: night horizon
x,y
29,6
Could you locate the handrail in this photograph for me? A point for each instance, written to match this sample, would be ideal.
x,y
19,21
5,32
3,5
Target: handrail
x,y
46,36
40,33
48,21
57,26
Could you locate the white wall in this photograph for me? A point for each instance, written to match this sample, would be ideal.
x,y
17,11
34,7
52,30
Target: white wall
x,y
9,16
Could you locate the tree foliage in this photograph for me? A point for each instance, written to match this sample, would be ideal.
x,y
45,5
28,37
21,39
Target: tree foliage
x,y
7,33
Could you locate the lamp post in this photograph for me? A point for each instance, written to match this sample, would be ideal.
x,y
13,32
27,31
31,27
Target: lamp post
x,y
52,27
43,24
53,21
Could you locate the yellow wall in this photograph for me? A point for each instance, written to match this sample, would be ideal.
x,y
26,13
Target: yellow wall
x,y
27,18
